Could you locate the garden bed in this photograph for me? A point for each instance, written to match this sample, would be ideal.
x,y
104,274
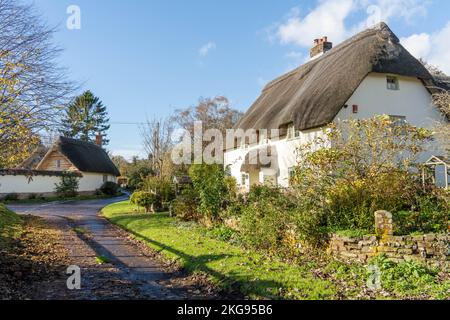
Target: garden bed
x,y
257,275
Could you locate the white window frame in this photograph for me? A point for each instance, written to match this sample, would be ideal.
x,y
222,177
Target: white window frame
x,y
291,133
398,120
392,83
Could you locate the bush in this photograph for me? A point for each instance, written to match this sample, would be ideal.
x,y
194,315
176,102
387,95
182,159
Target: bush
x,y
431,215
160,186
110,188
185,206
68,187
209,185
137,173
266,221
222,233
354,170
11,197
147,200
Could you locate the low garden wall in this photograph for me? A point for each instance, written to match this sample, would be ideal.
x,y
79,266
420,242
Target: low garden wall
x,y
430,248
25,183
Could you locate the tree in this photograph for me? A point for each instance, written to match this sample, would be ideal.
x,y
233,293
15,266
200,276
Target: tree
x,y
157,141
32,86
84,118
214,113
17,140
121,163
37,86
137,171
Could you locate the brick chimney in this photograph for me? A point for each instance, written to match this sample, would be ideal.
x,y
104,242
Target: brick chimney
x,y
320,47
99,140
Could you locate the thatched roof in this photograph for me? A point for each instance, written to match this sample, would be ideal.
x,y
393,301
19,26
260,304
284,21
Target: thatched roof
x,y
443,82
85,156
312,95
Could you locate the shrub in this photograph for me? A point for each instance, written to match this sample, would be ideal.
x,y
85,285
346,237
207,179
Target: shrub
x,y
110,188
147,200
209,184
222,233
431,215
185,206
137,173
11,197
68,187
353,170
160,186
267,219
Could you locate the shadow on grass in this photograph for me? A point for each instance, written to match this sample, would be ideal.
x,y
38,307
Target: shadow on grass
x,y
231,282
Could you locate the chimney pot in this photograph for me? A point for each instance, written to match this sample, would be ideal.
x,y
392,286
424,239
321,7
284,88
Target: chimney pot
x,y
99,140
320,47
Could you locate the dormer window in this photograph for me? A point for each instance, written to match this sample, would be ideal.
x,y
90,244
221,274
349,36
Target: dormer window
x,y
392,83
291,132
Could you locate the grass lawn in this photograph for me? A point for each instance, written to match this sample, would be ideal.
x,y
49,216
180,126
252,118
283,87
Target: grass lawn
x,y
10,225
257,275
228,265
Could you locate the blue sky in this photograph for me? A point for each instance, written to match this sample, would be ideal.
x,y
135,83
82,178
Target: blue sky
x,y
148,58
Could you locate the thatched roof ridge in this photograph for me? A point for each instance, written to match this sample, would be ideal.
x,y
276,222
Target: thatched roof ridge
x,y
312,95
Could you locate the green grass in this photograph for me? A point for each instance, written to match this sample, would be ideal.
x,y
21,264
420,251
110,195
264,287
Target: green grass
x,y
229,266
102,260
81,230
10,224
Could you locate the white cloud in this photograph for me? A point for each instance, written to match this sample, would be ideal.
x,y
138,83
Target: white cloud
x,y
434,48
418,45
204,50
329,17
326,19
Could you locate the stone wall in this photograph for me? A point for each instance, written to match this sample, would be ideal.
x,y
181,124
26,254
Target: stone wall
x,y
431,248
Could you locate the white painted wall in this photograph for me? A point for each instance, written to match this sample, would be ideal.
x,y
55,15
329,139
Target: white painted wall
x,y
373,98
46,184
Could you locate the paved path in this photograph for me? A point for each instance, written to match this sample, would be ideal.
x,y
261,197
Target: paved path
x,y
130,273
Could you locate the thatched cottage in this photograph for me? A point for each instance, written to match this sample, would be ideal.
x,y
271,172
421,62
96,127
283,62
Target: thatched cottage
x,y
369,74
88,161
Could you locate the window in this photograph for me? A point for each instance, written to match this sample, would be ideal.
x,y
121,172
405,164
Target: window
x,y
355,109
244,178
105,178
398,120
292,133
58,164
392,83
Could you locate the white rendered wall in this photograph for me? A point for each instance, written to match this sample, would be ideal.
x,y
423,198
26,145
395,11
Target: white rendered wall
x,y
46,184
373,98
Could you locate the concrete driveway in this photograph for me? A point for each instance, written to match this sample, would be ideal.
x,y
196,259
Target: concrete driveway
x,y
131,272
